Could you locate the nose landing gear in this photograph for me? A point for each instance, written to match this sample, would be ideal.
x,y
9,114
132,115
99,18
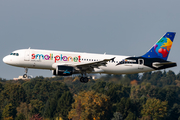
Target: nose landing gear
x,y
25,75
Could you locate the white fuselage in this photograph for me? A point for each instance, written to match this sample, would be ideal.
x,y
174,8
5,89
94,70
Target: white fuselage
x,y
48,59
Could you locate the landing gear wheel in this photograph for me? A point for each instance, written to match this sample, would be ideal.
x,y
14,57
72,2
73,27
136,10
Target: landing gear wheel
x,y
25,76
86,79
82,79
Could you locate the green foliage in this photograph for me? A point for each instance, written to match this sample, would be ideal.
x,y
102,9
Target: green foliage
x,y
155,109
8,111
124,107
0,115
114,91
170,94
36,107
131,116
64,105
24,109
21,117
1,87
12,93
132,76
50,108
174,112
42,89
127,96
91,105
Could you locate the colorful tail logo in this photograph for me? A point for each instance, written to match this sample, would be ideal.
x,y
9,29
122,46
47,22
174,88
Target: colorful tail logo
x,y
162,48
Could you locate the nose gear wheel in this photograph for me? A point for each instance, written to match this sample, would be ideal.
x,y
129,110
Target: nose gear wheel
x,y
25,75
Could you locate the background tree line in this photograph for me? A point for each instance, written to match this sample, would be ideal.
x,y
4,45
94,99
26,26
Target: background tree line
x,y
149,96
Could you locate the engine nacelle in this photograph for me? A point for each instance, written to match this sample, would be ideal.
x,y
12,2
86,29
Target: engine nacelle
x,y
63,70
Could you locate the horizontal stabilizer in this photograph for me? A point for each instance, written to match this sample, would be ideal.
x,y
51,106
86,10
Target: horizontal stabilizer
x,y
160,64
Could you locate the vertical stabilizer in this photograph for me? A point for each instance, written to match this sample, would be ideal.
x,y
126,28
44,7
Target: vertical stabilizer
x,y
162,48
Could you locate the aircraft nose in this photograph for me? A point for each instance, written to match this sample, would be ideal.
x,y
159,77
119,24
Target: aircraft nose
x,y
5,59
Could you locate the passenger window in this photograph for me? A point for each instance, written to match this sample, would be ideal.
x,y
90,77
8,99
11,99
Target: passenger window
x,y
17,54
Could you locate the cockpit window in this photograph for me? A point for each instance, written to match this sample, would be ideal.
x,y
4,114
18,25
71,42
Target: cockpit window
x,y
15,54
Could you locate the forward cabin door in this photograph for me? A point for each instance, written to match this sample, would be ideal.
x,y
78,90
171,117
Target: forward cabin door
x,y
140,63
27,55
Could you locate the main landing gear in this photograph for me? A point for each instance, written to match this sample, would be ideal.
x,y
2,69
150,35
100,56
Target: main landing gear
x,y
84,79
25,75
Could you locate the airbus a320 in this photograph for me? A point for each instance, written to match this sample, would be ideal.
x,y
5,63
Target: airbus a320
x,y
64,63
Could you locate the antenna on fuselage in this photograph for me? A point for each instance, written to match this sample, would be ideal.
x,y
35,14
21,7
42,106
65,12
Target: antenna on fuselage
x,y
29,48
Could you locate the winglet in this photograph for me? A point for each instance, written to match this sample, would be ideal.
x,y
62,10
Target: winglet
x,y
162,48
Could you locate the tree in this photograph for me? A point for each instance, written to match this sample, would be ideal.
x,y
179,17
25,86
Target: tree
x,y
118,76
170,94
36,117
132,76
43,89
64,105
8,112
91,105
14,94
0,115
131,116
154,108
155,78
178,76
146,76
114,91
36,107
24,109
117,116
174,112
50,108
21,117
1,87
124,107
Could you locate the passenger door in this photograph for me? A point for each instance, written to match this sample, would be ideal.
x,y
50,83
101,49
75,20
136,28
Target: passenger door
x,y
27,55
140,63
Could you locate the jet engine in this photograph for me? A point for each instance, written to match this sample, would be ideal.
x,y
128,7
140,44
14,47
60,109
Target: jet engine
x,y
63,70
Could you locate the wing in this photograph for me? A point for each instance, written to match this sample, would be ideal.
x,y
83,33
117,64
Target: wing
x,y
90,66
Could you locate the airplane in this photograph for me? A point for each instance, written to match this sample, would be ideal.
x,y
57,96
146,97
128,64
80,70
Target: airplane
x,y
64,63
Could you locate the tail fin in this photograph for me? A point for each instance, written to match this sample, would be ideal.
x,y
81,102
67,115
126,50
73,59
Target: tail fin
x,y
162,48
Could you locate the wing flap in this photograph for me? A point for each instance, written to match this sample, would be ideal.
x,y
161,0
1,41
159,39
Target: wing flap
x,y
90,66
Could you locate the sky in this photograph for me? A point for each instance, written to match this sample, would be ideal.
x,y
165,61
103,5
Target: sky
x,y
119,27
